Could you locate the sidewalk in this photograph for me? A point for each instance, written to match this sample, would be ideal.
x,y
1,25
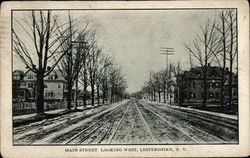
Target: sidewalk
x,y
29,118
234,117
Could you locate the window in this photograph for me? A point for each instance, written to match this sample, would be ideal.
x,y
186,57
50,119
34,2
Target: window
x,y
192,85
213,85
15,77
50,77
49,94
217,85
211,95
30,85
30,77
192,95
59,85
210,85
45,85
217,95
21,93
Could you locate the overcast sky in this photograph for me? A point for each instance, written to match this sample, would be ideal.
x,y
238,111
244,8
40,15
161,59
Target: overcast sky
x,y
134,38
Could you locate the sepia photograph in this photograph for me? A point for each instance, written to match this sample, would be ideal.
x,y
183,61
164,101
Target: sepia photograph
x,y
126,79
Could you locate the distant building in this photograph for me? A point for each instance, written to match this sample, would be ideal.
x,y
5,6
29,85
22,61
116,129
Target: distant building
x,y
24,86
192,85
54,85
19,91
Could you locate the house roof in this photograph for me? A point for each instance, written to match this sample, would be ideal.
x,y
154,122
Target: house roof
x,y
197,72
58,73
19,72
54,72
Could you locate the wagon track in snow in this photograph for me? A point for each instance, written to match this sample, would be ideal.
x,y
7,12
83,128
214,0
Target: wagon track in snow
x,y
96,132
146,124
170,124
217,130
119,124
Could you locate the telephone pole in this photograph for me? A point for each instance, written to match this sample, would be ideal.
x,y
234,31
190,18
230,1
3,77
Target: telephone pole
x,y
167,51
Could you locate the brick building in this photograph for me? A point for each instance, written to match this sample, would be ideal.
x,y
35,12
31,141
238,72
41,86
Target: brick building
x,y
191,82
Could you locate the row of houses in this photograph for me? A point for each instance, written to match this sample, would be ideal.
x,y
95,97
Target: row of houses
x,y
24,86
191,85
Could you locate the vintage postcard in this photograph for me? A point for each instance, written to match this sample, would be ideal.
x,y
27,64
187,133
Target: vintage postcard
x,y
125,79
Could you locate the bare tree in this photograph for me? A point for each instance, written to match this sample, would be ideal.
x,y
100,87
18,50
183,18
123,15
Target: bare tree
x,y
117,84
228,35
83,74
202,50
163,75
42,29
159,81
71,63
176,70
233,48
92,67
105,62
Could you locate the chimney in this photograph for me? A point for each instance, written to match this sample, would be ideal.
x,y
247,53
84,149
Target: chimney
x,y
208,65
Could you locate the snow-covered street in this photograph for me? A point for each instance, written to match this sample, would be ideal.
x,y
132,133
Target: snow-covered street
x,y
130,122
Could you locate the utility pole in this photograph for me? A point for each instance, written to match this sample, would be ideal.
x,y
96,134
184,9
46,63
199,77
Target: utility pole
x,y
80,45
167,51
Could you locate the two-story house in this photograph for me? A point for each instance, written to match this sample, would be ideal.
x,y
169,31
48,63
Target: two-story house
x,y
54,85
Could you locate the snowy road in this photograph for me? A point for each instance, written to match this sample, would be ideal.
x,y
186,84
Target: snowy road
x,y
130,122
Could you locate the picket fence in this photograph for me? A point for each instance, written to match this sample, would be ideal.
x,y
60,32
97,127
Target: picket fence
x,y
31,105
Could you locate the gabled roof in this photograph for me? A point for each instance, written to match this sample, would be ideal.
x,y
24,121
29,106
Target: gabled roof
x,y
29,70
54,72
58,73
18,72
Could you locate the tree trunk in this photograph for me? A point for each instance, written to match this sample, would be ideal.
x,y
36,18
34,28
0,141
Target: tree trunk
x,y
178,94
103,96
98,95
154,96
92,94
231,63
85,94
224,64
76,94
40,95
164,91
205,87
230,84
69,95
111,95
85,82
159,93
